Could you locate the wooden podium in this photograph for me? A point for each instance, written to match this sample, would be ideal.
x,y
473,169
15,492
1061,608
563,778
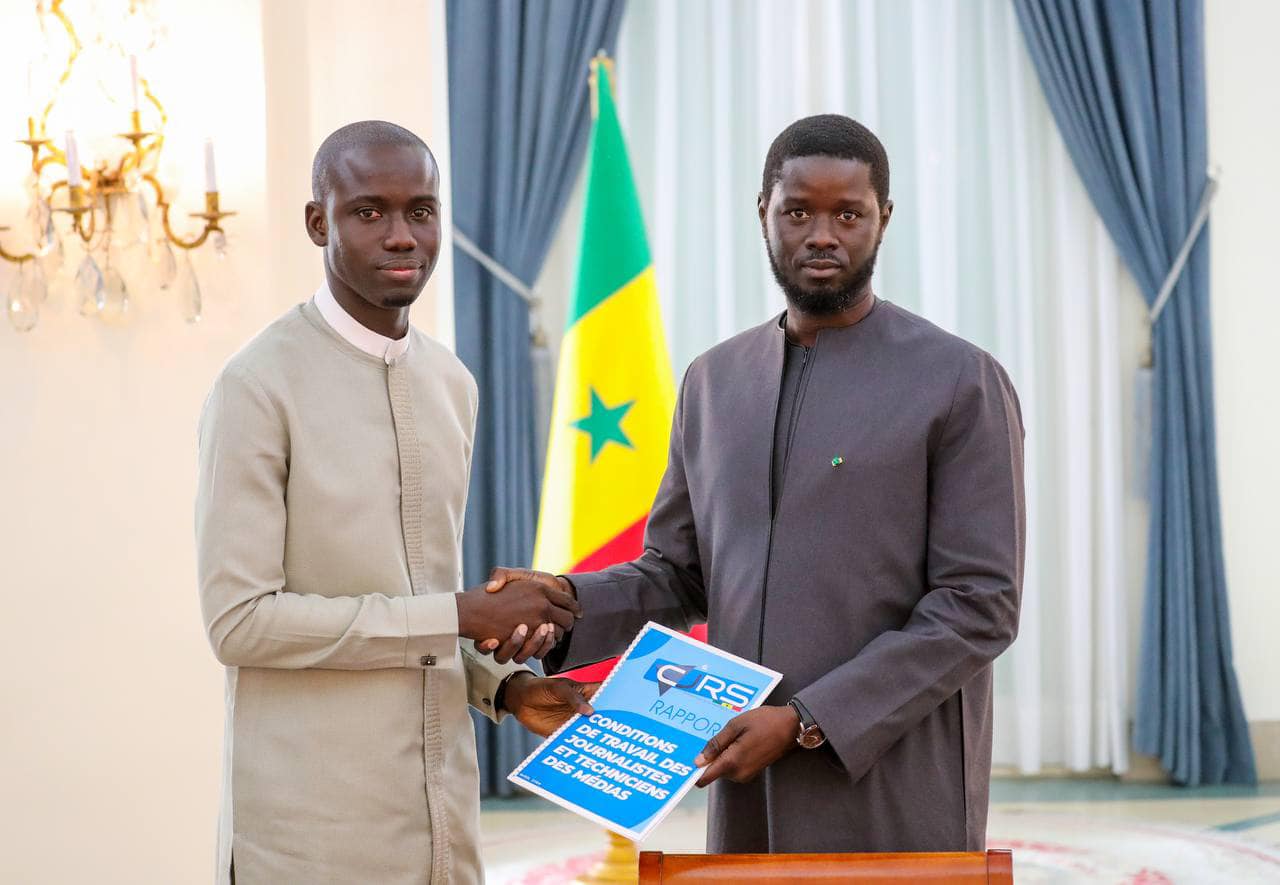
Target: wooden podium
x,y
951,868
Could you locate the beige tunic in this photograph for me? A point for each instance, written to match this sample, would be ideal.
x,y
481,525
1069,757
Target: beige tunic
x,y
328,525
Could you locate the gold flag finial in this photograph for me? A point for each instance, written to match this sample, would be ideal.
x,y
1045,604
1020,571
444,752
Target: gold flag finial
x,y
601,58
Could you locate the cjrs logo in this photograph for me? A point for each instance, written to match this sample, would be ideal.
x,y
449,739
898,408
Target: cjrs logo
x,y
686,677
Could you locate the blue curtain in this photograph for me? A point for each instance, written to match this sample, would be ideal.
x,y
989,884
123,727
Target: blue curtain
x,y
519,117
1125,82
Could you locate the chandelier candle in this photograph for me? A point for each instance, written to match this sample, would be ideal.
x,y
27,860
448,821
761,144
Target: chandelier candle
x,y
133,76
73,161
210,173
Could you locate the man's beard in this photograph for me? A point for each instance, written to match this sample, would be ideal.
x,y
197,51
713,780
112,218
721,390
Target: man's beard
x,y
822,300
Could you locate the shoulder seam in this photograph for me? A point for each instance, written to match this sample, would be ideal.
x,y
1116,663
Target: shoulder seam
x,y
249,377
955,389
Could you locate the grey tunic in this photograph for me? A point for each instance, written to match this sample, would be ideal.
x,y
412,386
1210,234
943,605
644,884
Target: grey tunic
x,y
881,589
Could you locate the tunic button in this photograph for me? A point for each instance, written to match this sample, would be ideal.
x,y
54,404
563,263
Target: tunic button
x,y
427,660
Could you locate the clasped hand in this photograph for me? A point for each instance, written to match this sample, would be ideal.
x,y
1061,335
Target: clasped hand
x,y
533,610
748,743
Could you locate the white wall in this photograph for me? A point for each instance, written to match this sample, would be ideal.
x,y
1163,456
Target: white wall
x,y
113,725
326,67
1244,138
111,699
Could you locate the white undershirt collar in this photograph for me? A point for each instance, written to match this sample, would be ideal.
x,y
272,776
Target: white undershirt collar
x,y
367,340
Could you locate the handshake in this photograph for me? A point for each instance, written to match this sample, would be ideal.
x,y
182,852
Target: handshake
x,y
519,614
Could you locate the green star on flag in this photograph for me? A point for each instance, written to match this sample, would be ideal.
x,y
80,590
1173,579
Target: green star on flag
x,y
604,424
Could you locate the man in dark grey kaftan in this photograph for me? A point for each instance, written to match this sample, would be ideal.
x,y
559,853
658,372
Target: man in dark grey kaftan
x,y
844,504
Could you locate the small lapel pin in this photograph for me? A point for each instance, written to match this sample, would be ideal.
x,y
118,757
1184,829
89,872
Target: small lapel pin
x,y
837,461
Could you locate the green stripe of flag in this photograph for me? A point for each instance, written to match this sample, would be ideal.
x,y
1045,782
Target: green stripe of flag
x,y
614,250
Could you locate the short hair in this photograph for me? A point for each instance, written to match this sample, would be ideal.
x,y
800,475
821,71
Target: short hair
x,y
365,133
828,135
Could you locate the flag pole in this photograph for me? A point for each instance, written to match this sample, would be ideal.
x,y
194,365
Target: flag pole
x,y
593,79
619,866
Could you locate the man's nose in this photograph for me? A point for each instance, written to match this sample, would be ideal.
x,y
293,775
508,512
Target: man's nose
x,y
821,237
399,236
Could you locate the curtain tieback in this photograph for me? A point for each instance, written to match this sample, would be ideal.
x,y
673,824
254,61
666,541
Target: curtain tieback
x,y
508,279
1180,260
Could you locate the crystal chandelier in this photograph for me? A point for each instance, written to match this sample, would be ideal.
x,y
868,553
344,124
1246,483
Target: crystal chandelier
x,y
98,226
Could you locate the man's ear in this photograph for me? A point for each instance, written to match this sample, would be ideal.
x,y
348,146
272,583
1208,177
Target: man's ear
x,y
317,225
762,208
885,211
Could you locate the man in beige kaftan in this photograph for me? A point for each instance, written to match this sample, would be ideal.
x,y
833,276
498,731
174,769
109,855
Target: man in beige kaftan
x,y
334,457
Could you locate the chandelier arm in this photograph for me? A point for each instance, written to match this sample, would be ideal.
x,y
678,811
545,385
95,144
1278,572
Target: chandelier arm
x,y
209,227
210,220
79,227
16,259
55,9
151,97
57,158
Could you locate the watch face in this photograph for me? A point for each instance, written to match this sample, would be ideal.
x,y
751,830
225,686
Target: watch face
x,y
812,738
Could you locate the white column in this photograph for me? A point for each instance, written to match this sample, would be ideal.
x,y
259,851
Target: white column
x,y
933,53
1111,732
829,33
868,110
723,149
1070,292
440,288
666,127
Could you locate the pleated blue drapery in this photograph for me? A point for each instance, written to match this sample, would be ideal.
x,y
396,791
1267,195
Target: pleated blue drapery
x,y
1125,82
519,117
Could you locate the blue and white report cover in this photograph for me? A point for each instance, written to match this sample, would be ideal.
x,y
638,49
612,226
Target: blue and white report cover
x,y
627,765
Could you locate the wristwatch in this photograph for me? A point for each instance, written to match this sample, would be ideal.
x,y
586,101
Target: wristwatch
x,y
810,736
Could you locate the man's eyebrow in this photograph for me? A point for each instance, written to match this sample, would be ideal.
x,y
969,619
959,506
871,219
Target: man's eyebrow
x,y
374,198
804,196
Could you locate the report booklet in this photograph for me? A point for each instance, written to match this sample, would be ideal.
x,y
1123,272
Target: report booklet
x,y
627,765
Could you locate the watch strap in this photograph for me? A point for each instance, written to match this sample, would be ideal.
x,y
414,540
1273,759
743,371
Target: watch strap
x,y
806,720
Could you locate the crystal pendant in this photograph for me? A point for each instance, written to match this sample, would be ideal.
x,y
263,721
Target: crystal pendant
x,y
189,291
50,251
166,264
117,293
24,302
130,225
219,240
91,289
40,217
144,221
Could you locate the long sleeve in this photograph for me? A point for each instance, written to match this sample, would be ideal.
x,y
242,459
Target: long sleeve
x,y
484,675
974,561
251,617
664,584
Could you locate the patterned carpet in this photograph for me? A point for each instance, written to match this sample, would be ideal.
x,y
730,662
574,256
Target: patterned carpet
x,y
1060,831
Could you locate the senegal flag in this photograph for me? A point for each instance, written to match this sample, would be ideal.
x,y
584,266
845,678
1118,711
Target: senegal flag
x,y
614,395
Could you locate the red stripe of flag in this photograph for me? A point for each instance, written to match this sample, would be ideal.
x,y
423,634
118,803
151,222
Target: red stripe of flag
x,y
625,546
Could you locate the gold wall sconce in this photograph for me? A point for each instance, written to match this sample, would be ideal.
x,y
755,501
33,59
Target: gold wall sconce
x,y
101,228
